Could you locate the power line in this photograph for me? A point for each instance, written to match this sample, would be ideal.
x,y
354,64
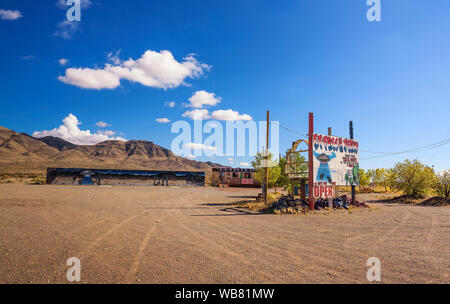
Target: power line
x,y
290,130
419,149
386,154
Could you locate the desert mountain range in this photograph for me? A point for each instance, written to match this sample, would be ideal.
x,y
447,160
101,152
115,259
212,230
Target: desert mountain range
x,y
20,152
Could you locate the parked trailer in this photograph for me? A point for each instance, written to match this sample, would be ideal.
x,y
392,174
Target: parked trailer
x,y
234,177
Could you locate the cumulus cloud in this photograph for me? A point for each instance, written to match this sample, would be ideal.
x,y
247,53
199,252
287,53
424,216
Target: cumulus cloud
x,y
203,98
71,132
90,78
170,104
162,120
152,69
230,160
197,114
63,61
102,124
229,115
10,15
243,164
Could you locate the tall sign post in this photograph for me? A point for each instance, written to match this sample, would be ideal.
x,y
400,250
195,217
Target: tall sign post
x,y
353,186
266,157
311,164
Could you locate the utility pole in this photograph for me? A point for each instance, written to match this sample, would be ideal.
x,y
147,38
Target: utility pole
x,y
330,200
311,164
351,137
266,176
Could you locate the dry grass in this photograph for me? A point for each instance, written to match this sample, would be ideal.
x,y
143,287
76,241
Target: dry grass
x,y
22,178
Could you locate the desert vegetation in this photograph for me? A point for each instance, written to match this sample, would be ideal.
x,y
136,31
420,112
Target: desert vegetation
x,y
408,178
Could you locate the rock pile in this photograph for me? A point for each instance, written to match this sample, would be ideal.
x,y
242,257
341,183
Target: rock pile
x,y
289,204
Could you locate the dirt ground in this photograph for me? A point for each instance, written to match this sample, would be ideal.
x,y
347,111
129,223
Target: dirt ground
x,y
194,235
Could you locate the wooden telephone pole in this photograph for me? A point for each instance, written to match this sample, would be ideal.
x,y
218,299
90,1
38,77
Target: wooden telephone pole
x,y
311,163
266,157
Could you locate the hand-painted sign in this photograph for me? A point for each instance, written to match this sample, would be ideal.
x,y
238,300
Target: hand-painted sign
x,y
335,164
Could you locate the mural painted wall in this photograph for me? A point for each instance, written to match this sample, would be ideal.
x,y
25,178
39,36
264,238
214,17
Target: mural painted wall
x,y
335,164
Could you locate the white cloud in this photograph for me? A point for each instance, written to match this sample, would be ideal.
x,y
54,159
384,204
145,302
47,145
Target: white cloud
x,y
230,160
170,104
229,115
243,164
162,120
63,61
10,15
102,124
66,29
197,114
90,79
203,98
153,69
191,156
71,132
198,146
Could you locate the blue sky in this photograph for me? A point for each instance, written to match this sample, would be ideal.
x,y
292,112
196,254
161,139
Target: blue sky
x,y
392,78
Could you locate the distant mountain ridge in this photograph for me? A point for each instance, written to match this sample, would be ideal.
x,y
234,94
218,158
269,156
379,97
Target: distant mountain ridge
x,y
20,152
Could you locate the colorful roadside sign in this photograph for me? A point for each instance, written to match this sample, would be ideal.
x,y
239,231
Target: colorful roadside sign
x,y
336,163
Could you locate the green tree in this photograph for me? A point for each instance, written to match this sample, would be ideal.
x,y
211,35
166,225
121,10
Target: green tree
x,y
364,178
442,183
371,173
412,177
380,177
259,164
284,181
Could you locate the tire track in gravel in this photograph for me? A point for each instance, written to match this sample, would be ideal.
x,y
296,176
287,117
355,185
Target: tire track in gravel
x,y
201,246
347,243
429,242
133,271
284,249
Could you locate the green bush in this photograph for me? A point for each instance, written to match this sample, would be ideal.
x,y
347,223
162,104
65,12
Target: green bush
x,y
412,177
442,183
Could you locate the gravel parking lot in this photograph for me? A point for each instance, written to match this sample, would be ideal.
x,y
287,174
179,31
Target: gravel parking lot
x,y
195,235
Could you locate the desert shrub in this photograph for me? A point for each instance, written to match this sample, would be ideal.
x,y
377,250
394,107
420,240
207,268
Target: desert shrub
x,y
442,183
412,177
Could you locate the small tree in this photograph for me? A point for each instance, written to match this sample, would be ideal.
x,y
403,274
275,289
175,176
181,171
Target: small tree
x,y
284,181
381,178
412,177
273,171
364,179
371,173
442,183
